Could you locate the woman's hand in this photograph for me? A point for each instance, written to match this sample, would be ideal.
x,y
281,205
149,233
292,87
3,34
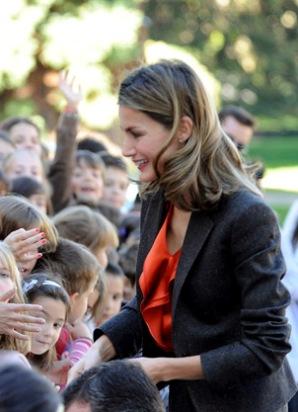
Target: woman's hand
x,y
101,351
17,319
70,89
24,244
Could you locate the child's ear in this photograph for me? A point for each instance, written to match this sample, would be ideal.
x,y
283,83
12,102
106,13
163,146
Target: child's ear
x,y
73,298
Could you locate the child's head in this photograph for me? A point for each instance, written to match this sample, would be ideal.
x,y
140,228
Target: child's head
x,y
113,294
128,260
10,279
92,144
16,213
23,133
34,191
41,290
6,145
116,180
23,162
88,177
90,228
78,271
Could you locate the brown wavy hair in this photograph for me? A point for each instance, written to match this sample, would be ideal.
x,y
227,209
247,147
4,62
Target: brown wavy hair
x,y
209,165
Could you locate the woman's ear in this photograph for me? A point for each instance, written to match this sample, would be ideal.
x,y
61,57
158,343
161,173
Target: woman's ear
x,y
185,129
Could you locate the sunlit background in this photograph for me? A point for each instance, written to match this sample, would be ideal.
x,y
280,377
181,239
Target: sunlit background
x,y
246,51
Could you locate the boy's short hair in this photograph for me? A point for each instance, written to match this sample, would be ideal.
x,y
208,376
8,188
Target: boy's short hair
x,y
116,386
114,270
240,114
114,161
92,144
76,265
90,159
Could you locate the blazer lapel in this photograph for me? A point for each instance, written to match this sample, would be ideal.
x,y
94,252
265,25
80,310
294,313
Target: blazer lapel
x,y
199,227
152,222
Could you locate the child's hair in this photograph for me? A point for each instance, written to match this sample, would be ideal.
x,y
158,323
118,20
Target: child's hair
x,y
128,260
8,261
76,265
42,284
114,161
21,152
90,159
9,123
114,270
27,186
4,185
16,213
85,226
92,144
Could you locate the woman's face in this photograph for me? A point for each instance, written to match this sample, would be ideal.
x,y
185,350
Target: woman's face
x,y
143,140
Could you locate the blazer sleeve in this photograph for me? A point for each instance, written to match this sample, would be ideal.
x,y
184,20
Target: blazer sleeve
x,y
124,330
258,269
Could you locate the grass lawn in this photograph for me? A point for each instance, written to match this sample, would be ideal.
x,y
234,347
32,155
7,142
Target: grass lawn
x,y
280,157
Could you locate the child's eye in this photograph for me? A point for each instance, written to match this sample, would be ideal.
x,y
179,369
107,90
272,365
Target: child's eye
x,y
4,275
58,325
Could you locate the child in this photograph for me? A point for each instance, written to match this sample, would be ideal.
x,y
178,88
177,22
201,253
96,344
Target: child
x,y
40,289
10,279
90,228
23,162
78,271
23,133
116,181
113,296
88,177
28,232
37,193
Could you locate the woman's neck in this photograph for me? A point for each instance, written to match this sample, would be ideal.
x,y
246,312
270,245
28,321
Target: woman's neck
x,y
177,229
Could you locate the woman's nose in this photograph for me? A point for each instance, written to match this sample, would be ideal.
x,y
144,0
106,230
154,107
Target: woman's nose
x,y
128,148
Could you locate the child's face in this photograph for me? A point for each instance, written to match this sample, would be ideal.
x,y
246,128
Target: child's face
x,y
79,304
5,148
115,187
113,297
25,163
87,183
54,314
40,201
25,136
102,257
6,282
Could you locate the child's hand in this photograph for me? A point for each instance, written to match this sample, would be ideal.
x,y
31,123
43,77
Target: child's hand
x,y
79,330
58,372
70,88
24,244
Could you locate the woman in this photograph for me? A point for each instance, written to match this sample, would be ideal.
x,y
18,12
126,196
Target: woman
x,y
209,310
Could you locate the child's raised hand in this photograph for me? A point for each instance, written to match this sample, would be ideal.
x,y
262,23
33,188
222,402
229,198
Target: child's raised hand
x,y
24,244
70,88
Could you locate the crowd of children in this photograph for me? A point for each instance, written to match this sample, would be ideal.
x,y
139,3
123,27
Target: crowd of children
x,y
65,265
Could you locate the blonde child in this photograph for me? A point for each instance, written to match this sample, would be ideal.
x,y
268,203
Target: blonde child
x,y
10,282
23,162
29,233
88,227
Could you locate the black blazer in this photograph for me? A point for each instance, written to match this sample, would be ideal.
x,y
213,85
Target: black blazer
x,y
228,306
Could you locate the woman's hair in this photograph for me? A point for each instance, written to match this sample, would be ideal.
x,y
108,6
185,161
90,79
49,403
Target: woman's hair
x,y
85,226
25,390
42,284
16,213
90,159
208,165
9,123
8,261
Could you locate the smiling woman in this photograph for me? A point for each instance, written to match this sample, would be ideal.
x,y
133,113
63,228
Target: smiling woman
x,y
209,313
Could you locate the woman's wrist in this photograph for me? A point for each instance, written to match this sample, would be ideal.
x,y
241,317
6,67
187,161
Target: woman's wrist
x,y
105,349
188,368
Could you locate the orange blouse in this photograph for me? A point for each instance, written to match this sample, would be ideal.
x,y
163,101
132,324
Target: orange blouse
x,y
156,283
